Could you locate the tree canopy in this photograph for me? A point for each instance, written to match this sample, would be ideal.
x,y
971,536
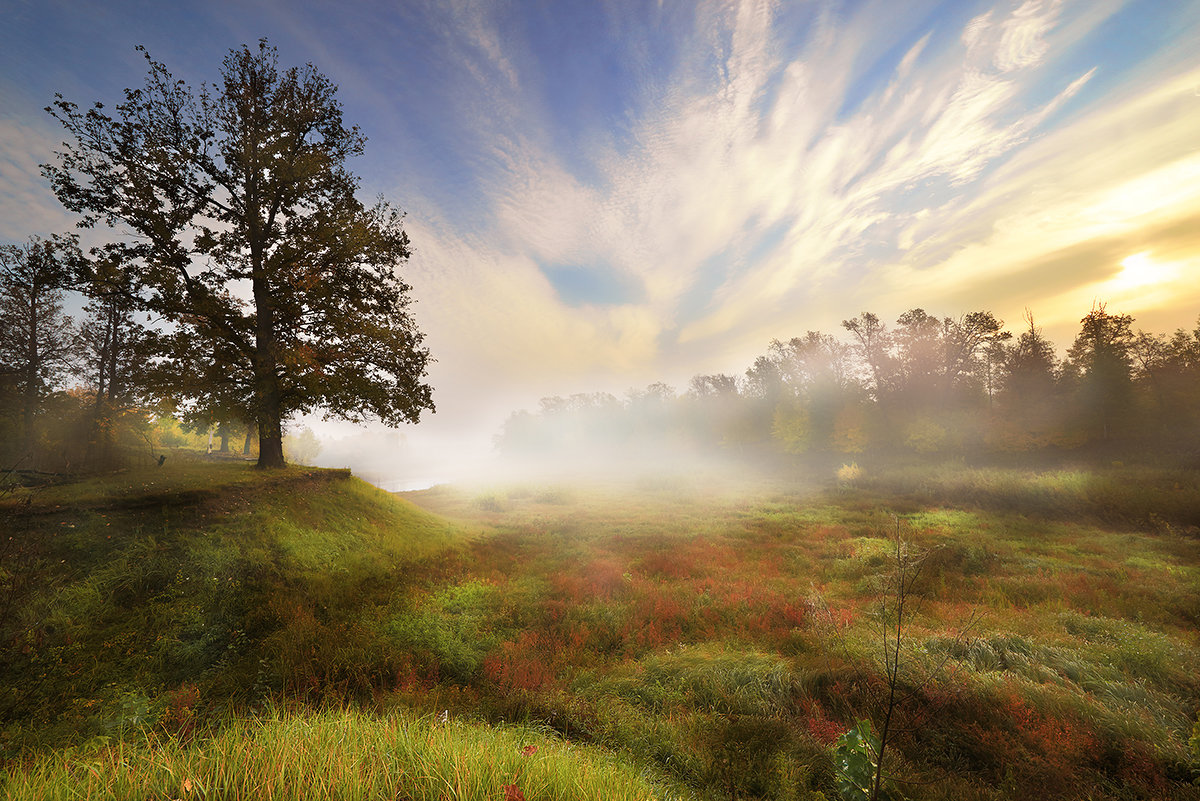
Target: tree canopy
x,y
278,286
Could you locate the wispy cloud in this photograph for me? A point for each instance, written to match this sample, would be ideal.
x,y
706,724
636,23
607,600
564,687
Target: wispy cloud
x,y
26,205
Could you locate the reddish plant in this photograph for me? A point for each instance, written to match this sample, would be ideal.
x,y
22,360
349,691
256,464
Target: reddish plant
x,y
820,726
179,716
521,665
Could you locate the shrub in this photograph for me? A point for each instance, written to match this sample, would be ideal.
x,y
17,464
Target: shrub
x,y
849,473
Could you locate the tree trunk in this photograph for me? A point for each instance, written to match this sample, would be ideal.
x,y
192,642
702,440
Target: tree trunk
x,y
270,414
269,409
268,403
29,405
270,442
30,394
99,447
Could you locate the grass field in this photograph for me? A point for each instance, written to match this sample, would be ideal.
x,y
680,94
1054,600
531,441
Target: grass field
x,y
695,636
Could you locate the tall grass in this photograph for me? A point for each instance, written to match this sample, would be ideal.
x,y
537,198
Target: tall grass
x,y
337,754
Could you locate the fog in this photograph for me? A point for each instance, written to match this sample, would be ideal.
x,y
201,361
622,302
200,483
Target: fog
x,y
416,457
922,389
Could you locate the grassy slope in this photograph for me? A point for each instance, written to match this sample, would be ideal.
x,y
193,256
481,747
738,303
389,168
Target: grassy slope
x,y
726,639
214,581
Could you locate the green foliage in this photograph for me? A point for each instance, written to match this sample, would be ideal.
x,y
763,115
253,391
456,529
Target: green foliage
x,y
792,427
452,629
854,758
301,447
925,436
37,343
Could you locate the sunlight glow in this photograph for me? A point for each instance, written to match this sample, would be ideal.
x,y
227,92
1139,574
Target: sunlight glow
x,y
1139,270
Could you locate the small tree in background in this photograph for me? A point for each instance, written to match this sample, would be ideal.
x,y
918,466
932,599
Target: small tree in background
x,y
1100,365
302,447
114,347
37,341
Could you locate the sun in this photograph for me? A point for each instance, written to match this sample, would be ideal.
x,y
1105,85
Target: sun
x,y
1140,270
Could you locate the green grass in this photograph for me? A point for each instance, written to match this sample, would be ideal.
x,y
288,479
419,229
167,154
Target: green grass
x,y
683,609
240,583
342,754
1128,495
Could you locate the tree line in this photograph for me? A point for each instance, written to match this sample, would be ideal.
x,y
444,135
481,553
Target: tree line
x,y
923,385
244,282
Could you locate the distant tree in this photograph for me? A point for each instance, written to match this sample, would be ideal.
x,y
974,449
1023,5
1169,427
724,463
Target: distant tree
x,y
972,354
521,433
763,390
657,394
873,342
651,413
223,433
114,347
764,379
920,357
1030,365
1100,365
37,340
302,447
713,409
817,371
245,185
1167,371
814,364
1028,403
718,386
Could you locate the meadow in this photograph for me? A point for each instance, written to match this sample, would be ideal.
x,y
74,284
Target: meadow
x,y
215,632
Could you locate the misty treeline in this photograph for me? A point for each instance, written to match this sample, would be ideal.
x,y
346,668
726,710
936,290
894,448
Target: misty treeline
x,y
922,385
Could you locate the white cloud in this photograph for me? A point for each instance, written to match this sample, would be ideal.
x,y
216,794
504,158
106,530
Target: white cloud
x,y
1023,35
766,187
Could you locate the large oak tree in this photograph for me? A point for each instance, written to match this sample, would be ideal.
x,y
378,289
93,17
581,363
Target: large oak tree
x,y
246,236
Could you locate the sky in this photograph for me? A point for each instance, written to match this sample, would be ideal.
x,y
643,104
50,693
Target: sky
x,y
602,195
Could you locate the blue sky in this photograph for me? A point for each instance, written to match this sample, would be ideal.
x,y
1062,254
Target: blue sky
x,y
602,195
